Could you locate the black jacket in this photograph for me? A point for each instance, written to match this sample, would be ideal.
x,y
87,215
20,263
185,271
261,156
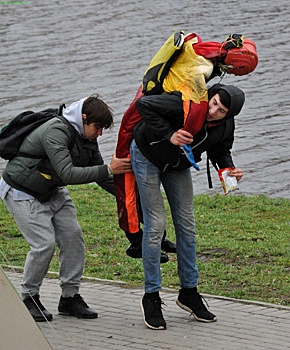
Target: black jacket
x,y
162,115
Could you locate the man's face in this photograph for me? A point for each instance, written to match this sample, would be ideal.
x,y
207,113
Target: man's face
x,y
216,110
91,131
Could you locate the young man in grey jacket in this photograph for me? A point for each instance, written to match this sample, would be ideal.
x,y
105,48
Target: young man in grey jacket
x,y
33,189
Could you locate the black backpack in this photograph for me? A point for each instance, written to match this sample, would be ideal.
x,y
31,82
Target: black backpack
x,y
13,133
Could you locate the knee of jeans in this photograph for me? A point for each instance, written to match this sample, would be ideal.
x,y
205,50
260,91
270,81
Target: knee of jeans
x,y
154,233
158,224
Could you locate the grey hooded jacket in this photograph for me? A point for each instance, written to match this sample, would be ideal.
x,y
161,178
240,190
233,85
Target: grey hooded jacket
x,y
56,164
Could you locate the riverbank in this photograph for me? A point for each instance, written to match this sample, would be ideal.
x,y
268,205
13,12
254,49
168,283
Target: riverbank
x,y
242,243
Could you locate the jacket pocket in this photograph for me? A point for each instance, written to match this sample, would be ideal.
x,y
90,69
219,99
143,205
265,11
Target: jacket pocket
x,y
37,179
46,170
166,152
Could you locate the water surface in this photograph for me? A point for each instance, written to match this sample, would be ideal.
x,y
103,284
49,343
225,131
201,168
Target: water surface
x,y
55,52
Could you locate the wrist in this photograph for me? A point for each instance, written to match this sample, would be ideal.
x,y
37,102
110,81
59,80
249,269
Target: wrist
x,y
110,170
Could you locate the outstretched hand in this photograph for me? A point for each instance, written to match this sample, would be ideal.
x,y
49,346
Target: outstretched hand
x,y
237,173
120,165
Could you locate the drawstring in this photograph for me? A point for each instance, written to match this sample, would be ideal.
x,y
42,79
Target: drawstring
x,y
208,174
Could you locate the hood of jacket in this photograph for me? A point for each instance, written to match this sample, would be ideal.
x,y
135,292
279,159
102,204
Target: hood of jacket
x,y
73,114
236,95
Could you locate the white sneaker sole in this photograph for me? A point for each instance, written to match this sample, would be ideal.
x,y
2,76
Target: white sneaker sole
x,y
146,323
184,307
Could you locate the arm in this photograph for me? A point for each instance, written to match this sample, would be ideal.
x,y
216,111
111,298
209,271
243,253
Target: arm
x,y
163,113
220,153
55,141
108,185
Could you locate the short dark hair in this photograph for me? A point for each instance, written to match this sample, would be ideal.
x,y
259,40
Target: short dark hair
x,y
98,112
225,98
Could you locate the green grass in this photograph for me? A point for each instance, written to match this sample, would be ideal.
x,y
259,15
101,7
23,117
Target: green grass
x,y
243,244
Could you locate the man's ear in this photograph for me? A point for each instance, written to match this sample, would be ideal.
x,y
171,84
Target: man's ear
x,y
84,118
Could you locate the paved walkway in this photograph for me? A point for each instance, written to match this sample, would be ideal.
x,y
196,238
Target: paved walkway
x,y
240,326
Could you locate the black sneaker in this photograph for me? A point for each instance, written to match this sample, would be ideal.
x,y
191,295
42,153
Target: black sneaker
x,y
168,246
75,306
36,309
191,301
152,313
135,252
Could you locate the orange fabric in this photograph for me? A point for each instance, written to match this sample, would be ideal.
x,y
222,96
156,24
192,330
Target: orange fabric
x,y
131,203
129,212
186,107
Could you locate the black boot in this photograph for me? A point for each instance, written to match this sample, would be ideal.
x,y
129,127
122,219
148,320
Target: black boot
x,y
75,306
36,309
167,245
135,249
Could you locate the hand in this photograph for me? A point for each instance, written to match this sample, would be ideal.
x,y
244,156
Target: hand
x,y
237,173
181,137
120,165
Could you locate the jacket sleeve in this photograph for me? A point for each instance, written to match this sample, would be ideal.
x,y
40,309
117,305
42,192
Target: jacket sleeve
x,y
55,141
221,158
108,185
160,112
220,153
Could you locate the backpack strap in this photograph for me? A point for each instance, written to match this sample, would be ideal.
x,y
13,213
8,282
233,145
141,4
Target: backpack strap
x,y
60,109
72,136
71,130
160,64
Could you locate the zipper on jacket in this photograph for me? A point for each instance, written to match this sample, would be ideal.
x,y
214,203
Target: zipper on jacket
x,y
176,165
154,142
201,141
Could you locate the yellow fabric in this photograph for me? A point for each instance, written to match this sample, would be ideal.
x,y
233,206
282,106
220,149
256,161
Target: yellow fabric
x,y
159,61
188,74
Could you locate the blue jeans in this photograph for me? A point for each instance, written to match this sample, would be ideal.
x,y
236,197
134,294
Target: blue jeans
x,y
179,191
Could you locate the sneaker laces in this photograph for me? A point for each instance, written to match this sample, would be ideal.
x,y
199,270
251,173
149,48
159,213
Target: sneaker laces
x,y
202,299
162,303
156,306
200,302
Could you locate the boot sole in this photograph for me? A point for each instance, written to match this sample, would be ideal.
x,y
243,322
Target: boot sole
x,y
62,313
42,319
184,307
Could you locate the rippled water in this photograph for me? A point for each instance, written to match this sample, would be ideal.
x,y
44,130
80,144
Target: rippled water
x,y
55,52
